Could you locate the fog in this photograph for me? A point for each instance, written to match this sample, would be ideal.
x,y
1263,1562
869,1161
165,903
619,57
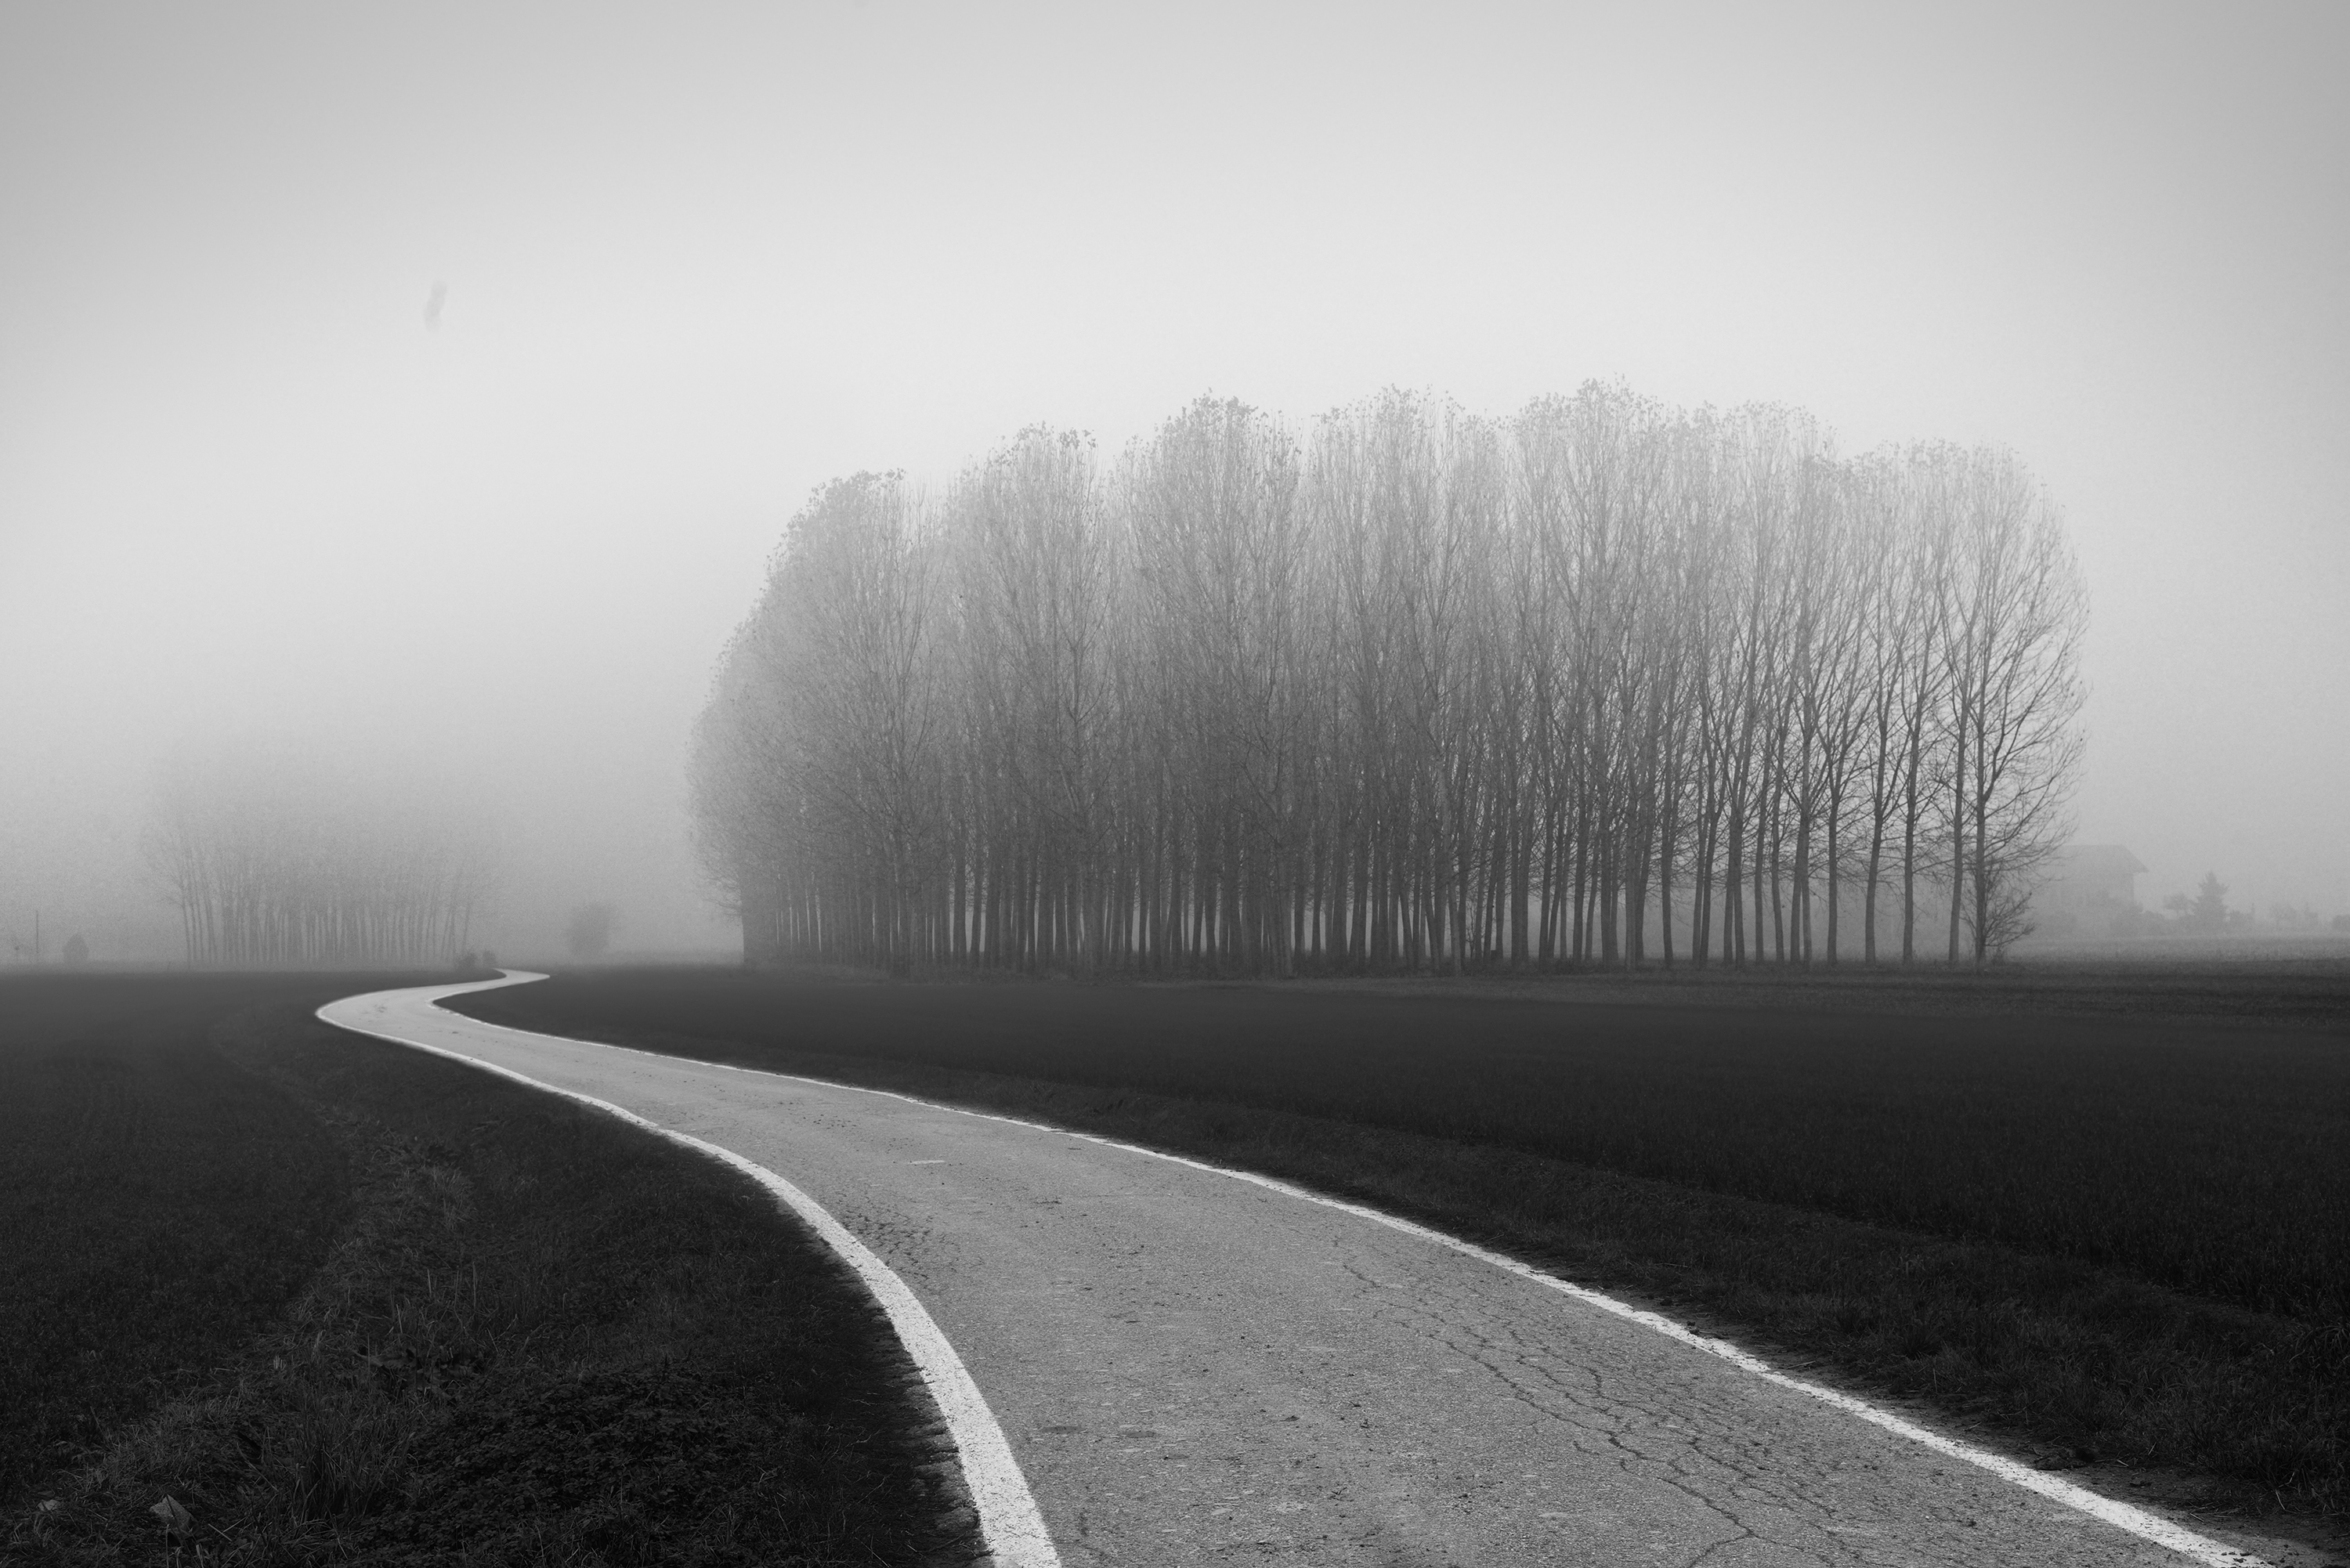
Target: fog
x,y
433,384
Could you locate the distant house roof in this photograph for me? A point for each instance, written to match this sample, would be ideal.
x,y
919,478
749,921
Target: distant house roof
x,y
2097,861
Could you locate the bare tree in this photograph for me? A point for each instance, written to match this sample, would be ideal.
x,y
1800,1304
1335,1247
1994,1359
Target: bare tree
x,y
1420,691
2018,695
275,856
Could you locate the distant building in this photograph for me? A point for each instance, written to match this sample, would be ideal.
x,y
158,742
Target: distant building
x,y
2091,890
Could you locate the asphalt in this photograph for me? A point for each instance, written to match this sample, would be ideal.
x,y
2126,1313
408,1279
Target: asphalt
x,y
1191,1368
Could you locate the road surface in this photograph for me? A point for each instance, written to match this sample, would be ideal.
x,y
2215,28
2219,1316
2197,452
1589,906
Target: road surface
x,y
1185,1367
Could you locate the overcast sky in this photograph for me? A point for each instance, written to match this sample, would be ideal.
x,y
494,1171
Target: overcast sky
x,y
698,259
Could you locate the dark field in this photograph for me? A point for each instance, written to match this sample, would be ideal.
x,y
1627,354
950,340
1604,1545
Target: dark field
x,y
347,1302
2210,1157
160,1203
2106,1217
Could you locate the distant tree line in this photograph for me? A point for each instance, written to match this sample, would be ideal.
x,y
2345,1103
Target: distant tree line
x,y
274,858
1605,682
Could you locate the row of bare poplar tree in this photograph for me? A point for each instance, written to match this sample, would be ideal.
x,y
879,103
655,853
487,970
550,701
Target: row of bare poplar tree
x,y
276,859
1605,682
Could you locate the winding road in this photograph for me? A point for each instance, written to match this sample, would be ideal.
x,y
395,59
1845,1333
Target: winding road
x,y
1164,1363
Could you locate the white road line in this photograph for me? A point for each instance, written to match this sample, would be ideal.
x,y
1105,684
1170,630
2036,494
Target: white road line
x,y
1010,1525
2121,1515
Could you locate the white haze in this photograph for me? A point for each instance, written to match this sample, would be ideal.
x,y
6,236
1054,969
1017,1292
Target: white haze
x,y
697,260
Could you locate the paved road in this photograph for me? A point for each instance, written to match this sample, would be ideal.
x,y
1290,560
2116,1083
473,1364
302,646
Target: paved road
x,y
1191,1368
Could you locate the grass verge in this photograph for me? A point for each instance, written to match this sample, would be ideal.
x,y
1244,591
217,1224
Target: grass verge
x,y
541,1337
1987,1218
